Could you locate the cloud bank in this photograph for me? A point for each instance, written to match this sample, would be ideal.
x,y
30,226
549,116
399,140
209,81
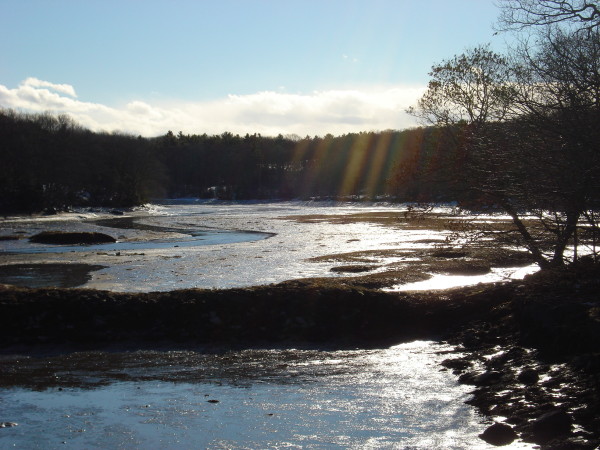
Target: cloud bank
x,y
269,112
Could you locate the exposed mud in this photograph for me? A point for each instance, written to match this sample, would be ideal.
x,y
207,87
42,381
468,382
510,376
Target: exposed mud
x,y
529,347
47,275
411,265
71,238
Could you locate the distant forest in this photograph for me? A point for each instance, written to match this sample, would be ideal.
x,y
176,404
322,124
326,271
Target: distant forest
x,y
51,163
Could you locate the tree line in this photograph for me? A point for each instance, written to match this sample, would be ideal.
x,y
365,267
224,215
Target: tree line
x,y
366,165
50,163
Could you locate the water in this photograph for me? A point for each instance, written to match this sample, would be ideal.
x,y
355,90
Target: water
x,y
441,281
193,244
380,398
394,397
259,244
47,275
205,238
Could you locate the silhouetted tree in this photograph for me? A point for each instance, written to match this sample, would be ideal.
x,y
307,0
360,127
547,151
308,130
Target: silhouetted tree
x,y
530,132
521,14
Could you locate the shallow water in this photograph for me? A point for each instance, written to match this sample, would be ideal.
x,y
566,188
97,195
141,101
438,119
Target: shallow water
x,y
441,281
47,275
185,237
393,397
379,398
261,244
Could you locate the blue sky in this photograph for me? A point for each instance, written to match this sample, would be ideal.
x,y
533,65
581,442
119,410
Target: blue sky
x,y
268,66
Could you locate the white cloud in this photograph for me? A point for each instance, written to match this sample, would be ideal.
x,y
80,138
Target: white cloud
x,y
269,112
62,88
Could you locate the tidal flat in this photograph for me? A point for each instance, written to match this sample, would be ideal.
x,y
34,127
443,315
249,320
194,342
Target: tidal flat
x,y
298,333
191,244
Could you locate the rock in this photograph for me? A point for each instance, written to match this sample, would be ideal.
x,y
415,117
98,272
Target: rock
x,y
352,269
449,253
515,353
499,434
471,339
534,394
528,376
487,378
467,378
551,425
515,420
483,379
459,364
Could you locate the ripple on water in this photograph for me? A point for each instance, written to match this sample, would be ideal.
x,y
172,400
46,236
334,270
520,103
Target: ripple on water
x,y
376,398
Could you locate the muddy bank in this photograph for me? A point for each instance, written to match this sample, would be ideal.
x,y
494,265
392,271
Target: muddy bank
x,y
71,238
314,311
557,312
530,349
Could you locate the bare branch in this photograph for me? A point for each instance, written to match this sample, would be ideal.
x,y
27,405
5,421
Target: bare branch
x,y
516,15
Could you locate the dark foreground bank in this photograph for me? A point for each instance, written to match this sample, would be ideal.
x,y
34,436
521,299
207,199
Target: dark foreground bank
x,y
531,349
534,360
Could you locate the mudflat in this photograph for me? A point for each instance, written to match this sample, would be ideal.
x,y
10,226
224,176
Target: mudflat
x,y
528,347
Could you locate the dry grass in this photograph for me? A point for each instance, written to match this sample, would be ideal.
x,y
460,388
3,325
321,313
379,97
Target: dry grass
x,y
407,221
389,267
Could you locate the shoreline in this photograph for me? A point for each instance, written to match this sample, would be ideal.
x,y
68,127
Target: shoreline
x,y
529,347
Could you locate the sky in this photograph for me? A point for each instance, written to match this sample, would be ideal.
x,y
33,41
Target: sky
x,y
291,67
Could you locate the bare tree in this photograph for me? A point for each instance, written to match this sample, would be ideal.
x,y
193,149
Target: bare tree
x,y
472,88
531,133
517,15
559,98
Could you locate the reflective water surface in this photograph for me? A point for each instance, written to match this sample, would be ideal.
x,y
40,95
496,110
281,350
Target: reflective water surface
x,y
186,244
441,281
47,275
299,398
395,397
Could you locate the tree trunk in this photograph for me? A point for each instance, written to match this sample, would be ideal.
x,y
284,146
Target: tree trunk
x,y
564,237
530,242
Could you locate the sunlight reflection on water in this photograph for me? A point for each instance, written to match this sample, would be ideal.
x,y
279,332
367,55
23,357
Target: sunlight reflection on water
x,y
197,244
380,398
440,281
166,266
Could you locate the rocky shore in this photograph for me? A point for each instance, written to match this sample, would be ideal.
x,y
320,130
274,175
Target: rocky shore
x,y
534,360
531,348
